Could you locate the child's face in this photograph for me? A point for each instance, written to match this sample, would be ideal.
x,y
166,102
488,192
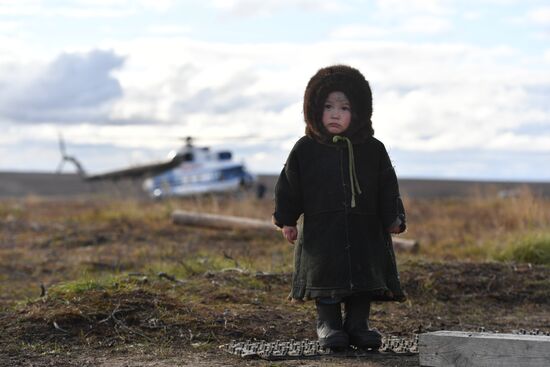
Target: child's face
x,y
336,113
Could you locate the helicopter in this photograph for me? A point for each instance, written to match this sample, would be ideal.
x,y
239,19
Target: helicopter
x,y
189,171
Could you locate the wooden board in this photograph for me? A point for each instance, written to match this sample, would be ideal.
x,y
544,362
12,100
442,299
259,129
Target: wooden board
x,y
187,218
457,348
219,221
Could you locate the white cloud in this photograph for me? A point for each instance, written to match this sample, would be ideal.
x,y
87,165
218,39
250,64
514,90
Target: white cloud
x,y
41,8
82,8
360,31
72,88
415,16
412,25
253,8
472,15
439,97
517,142
400,7
539,15
169,29
468,116
426,24
22,7
158,5
90,12
9,26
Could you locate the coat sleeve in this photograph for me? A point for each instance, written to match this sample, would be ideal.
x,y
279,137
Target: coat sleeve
x,y
391,206
288,194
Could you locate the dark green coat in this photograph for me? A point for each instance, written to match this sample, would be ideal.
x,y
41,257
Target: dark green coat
x,y
340,250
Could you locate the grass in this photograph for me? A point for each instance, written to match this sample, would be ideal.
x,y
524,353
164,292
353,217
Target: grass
x,y
101,262
531,248
87,283
478,228
199,263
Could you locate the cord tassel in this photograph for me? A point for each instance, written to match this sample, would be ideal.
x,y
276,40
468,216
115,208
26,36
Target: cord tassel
x,y
354,181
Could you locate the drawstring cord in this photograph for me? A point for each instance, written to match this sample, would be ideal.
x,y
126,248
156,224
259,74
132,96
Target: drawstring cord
x,y
352,174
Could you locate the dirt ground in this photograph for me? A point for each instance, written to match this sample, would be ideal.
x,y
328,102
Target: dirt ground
x,y
94,284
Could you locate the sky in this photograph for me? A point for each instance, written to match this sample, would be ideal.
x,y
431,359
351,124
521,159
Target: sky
x,y
461,89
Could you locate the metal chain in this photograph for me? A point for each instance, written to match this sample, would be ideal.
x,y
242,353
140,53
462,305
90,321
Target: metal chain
x,y
294,349
310,348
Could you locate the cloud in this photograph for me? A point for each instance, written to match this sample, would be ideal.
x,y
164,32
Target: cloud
x,y
235,94
10,27
471,164
72,88
17,8
472,15
413,25
169,29
360,31
83,8
428,97
539,15
252,8
426,25
485,116
437,96
400,7
158,5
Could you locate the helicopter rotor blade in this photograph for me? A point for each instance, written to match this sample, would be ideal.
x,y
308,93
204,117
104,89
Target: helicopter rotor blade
x,y
218,138
62,145
65,157
60,166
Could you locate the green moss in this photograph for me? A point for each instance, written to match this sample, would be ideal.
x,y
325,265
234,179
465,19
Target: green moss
x,y
85,284
532,248
196,265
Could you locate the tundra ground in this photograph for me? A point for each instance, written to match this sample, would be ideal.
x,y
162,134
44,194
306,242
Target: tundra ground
x,y
112,282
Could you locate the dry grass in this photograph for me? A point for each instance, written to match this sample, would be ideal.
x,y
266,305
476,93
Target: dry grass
x,y
484,226
101,262
478,228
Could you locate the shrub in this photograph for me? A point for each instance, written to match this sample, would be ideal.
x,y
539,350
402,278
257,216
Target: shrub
x,y
534,248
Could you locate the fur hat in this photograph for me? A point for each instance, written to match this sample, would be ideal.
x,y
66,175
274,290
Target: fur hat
x,y
352,83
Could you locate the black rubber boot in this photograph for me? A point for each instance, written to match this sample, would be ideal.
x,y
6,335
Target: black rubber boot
x,y
356,324
329,326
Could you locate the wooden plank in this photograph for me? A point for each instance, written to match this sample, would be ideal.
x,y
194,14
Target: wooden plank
x,y
404,244
457,349
217,221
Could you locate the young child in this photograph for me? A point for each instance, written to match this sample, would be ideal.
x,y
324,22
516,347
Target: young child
x,y
341,179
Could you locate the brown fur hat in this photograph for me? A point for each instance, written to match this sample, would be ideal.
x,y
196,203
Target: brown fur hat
x,y
352,83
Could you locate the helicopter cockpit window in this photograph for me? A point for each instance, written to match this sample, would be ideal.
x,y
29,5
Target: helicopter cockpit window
x,y
224,156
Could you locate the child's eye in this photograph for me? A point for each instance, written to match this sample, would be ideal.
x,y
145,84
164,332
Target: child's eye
x,y
328,107
346,108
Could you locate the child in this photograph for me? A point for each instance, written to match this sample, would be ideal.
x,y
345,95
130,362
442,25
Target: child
x,y
341,179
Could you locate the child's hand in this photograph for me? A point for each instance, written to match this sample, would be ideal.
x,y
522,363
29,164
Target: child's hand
x,y
290,233
398,226
395,229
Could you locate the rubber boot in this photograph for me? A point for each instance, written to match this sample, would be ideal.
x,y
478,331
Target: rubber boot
x,y
329,326
356,323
